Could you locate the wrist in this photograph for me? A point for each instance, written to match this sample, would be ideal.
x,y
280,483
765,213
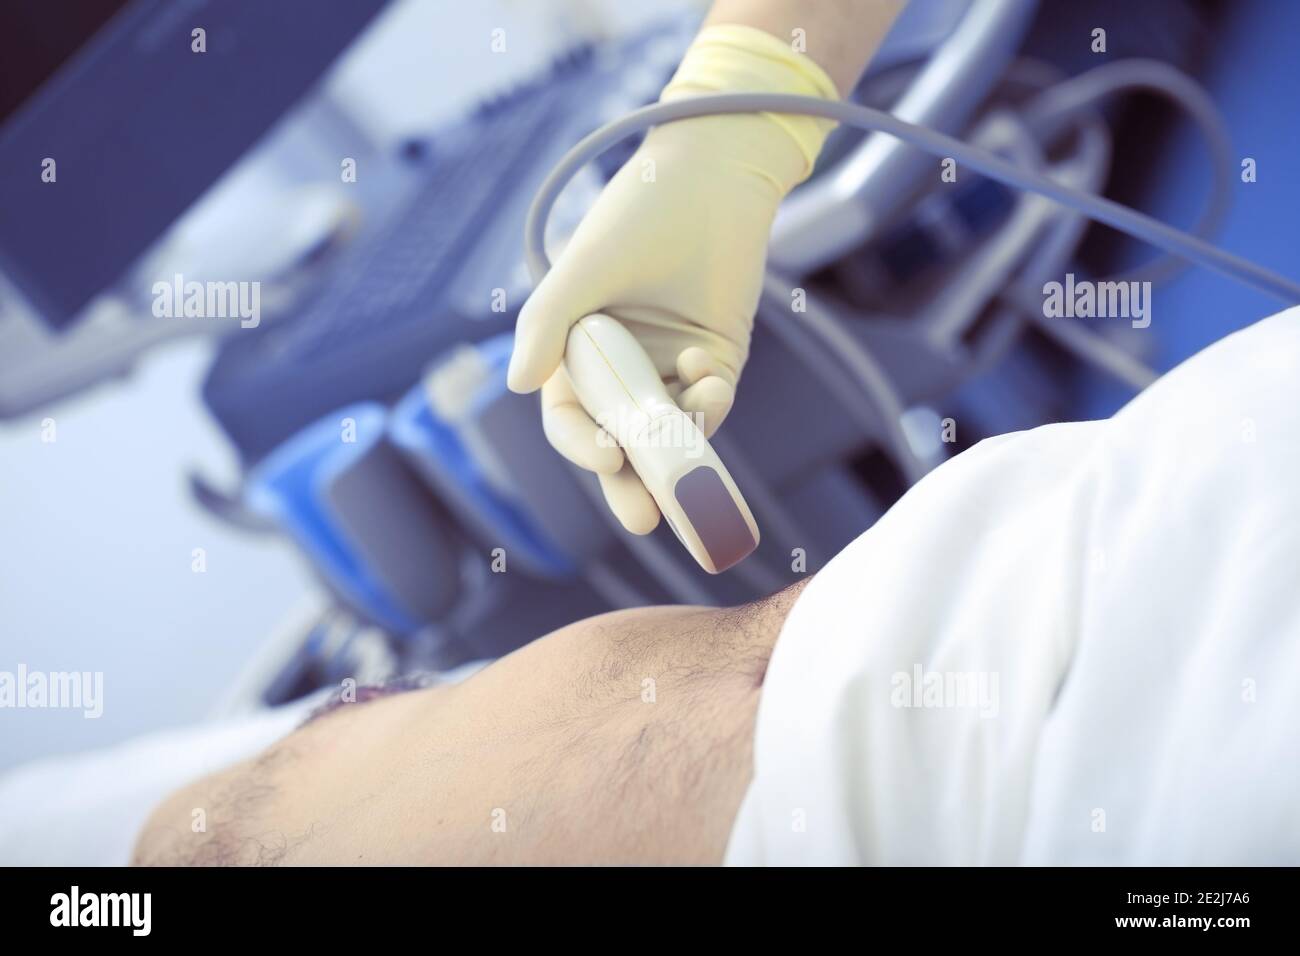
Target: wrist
x,y
725,153
732,58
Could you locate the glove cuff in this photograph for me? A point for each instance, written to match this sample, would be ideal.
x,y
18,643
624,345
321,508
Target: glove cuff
x,y
731,58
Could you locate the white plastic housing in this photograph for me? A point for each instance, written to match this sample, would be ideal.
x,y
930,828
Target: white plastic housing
x,y
620,388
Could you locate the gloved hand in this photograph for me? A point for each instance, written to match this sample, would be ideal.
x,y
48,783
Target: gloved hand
x,y
674,248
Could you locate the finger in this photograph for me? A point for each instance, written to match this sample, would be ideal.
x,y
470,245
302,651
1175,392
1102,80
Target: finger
x,y
542,330
572,432
628,499
707,402
695,364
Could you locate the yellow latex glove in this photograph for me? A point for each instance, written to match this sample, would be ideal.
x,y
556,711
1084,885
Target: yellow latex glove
x,y
675,248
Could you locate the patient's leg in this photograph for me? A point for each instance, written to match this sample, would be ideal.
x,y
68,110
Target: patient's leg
x,y
619,739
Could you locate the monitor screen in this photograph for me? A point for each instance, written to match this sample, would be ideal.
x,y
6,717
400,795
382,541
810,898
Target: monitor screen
x,y
34,42
115,121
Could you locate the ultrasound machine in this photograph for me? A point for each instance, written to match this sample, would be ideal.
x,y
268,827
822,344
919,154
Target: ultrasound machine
x,y
368,409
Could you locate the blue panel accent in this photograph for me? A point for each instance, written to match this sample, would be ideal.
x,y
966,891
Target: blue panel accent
x,y
437,447
289,487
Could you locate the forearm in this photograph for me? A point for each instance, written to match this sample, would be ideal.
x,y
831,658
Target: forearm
x,y
841,36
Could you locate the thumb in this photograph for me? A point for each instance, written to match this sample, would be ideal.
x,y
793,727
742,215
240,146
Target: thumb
x,y
542,330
